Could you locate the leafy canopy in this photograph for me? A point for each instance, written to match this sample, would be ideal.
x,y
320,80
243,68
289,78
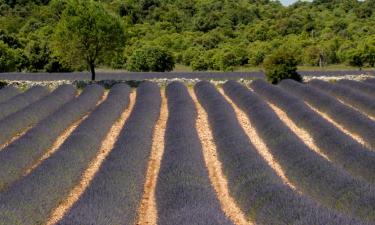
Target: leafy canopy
x,y
281,65
151,58
87,33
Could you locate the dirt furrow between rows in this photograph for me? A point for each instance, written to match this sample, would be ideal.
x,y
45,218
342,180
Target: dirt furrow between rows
x,y
15,138
301,133
343,129
257,141
62,138
214,167
94,166
147,213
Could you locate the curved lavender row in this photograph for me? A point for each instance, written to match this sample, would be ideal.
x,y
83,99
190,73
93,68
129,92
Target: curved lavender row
x,y
344,115
32,198
184,194
356,99
21,154
22,100
8,92
311,173
120,180
339,147
370,81
32,114
257,189
363,87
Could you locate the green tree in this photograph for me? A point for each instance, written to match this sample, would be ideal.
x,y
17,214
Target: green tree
x,y
151,58
356,58
38,55
199,64
86,33
281,65
315,56
7,58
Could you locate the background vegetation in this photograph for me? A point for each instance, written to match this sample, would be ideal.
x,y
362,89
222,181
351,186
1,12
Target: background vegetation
x,y
199,34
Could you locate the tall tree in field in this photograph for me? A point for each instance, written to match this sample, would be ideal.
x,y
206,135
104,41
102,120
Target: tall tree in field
x,y
87,33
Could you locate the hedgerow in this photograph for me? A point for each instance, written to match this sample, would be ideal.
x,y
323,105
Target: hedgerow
x,y
346,116
363,87
8,93
21,101
356,99
31,199
258,190
310,172
120,181
184,194
32,114
343,150
24,152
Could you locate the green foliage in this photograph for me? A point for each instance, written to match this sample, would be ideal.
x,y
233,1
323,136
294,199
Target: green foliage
x,y
151,58
281,65
38,55
225,60
201,34
7,58
87,33
356,58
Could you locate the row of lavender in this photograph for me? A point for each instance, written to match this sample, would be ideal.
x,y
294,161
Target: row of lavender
x,y
336,192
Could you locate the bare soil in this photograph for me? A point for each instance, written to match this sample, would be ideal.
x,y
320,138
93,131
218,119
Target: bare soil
x,y
62,138
257,141
16,137
343,129
93,167
301,133
214,167
147,212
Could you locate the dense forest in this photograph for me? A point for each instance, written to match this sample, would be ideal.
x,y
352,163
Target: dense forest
x,y
200,34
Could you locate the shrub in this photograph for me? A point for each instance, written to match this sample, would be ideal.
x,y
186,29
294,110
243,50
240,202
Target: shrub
x,y
38,55
281,65
356,58
225,61
199,64
151,58
7,58
56,65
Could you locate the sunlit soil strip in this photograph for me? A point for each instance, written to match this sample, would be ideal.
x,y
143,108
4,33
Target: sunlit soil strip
x,y
15,138
62,138
93,167
301,133
355,108
147,213
258,142
214,167
343,129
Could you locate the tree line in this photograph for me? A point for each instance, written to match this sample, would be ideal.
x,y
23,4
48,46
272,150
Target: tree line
x,y
154,35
